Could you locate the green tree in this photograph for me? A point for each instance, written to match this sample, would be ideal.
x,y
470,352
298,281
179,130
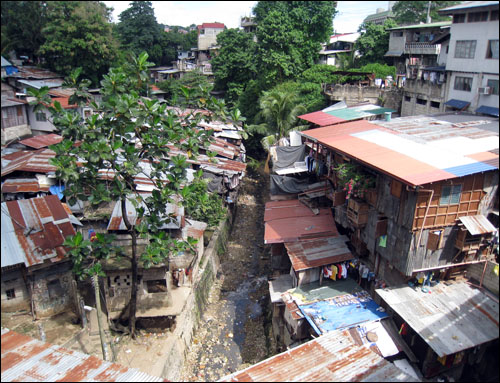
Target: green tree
x,y
374,42
126,130
278,115
234,66
22,22
289,35
78,34
139,31
414,12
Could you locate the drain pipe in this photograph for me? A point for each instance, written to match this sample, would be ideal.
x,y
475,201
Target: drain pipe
x,y
425,215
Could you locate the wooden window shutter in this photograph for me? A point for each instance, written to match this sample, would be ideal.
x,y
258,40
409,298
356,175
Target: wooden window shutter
x,y
434,242
396,188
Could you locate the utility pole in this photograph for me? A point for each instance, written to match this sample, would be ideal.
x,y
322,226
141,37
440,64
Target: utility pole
x,y
428,20
95,282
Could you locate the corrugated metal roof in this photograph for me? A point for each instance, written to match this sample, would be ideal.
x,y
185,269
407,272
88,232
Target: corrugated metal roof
x,y
28,161
23,185
34,230
421,26
116,220
37,73
451,318
42,141
25,359
415,150
53,83
334,357
477,224
334,116
194,229
282,223
321,118
318,252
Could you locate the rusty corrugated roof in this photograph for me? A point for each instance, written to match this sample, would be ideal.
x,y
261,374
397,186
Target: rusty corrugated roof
x,y
25,359
334,357
34,230
29,161
450,318
477,224
318,252
290,221
42,141
23,185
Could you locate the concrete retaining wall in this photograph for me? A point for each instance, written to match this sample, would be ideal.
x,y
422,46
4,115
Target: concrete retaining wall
x,y
490,280
188,321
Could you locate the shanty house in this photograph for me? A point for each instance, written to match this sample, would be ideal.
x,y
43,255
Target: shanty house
x,y
36,274
425,184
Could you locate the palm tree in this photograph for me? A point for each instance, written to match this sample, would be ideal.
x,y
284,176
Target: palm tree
x,y
278,111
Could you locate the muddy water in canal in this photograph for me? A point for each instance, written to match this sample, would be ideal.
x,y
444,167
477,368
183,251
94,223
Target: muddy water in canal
x,y
235,330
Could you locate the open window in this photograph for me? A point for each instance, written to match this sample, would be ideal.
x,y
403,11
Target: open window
x,y
156,286
435,240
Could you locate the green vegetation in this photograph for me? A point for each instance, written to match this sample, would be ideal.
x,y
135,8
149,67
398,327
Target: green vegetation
x,y
373,42
415,12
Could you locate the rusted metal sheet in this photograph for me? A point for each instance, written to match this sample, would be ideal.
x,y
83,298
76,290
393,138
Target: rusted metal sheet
x,y
218,165
451,318
116,222
33,229
23,185
318,252
414,150
290,221
33,161
334,357
25,359
194,229
42,141
321,118
477,224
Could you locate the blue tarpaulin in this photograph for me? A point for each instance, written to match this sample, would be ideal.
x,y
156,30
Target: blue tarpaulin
x,y
57,190
459,104
489,110
341,312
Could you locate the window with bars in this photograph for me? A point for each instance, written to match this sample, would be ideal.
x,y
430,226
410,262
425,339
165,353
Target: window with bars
x,y
11,294
465,49
492,51
450,195
463,83
460,18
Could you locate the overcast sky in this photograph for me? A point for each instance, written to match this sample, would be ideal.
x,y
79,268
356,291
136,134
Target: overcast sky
x,y
185,13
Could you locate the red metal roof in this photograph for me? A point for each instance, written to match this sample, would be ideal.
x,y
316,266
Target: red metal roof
x,y
318,252
334,357
34,230
23,185
42,141
211,25
321,118
287,221
64,101
25,359
29,161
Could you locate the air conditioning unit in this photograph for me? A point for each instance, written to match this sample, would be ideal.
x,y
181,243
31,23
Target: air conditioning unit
x,y
485,90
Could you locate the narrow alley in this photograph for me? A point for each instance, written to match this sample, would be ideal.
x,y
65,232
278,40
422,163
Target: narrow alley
x,y
235,329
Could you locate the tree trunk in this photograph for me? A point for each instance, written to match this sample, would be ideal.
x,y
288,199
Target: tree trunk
x,y
133,294
95,282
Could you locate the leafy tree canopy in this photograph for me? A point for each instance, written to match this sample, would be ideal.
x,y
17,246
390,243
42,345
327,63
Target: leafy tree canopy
x,y
139,31
289,35
374,42
234,66
414,12
78,34
22,22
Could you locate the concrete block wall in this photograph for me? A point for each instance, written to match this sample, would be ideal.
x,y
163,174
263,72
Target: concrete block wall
x,y
187,322
490,280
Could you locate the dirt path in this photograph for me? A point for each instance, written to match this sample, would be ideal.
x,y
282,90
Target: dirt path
x,y
234,329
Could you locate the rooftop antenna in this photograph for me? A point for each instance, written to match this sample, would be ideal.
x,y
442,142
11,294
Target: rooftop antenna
x,y
428,20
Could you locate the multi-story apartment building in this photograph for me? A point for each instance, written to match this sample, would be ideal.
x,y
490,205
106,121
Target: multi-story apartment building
x,y
472,62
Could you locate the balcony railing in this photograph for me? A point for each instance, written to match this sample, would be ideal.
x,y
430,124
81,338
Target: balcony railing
x,y
422,49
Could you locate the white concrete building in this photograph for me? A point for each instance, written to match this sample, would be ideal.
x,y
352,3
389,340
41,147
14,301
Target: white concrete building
x,y
472,62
